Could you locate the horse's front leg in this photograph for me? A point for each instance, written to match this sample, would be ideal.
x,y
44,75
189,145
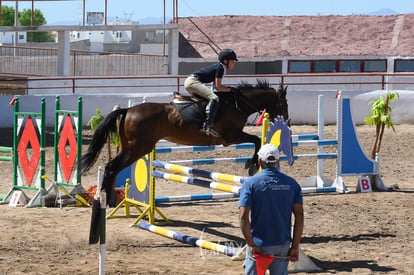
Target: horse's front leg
x,y
252,164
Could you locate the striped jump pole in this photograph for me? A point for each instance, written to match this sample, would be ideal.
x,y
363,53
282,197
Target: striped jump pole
x,y
301,137
244,159
204,183
7,155
241,146
198,172
322,142
8,151
326,189
174,147
195,197
227,250
307,140
207,161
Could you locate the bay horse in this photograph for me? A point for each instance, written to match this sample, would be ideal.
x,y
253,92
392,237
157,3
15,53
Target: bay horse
x,y
141,126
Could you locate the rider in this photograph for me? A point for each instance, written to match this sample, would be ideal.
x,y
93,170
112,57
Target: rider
x,y
195,84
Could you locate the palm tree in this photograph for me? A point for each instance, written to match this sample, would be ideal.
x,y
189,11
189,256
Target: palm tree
x,y
380,117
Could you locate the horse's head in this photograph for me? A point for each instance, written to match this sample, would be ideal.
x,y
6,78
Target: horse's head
x,y
279,106
263,96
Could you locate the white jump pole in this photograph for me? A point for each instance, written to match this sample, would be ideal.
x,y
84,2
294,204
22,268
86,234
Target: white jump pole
x,y
319,181
321,125
102,224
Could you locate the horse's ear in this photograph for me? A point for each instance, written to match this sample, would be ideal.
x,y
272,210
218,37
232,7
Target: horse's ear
x,y
284,91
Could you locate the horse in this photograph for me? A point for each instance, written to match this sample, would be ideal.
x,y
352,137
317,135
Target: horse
x,y
141,126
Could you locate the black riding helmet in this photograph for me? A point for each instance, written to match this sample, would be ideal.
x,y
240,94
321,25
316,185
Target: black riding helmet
x,y
227,54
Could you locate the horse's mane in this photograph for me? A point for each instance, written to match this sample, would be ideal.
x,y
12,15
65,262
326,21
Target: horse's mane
x,y
261,84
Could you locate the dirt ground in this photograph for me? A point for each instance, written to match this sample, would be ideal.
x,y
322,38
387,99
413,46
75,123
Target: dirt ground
x,y
354,233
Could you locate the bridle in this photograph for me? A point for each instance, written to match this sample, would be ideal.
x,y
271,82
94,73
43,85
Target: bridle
x,y
246,101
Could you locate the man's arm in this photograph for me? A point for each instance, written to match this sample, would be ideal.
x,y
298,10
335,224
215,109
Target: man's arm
x,y
244,212
297,232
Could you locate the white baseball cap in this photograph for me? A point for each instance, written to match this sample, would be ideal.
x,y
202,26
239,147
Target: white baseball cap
x,y
269,153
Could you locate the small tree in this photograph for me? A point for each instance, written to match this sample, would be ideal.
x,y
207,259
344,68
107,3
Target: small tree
x,y
7,16
94,122
25,19
381,117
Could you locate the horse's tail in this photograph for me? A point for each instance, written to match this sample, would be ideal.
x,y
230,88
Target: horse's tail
x,y
108,125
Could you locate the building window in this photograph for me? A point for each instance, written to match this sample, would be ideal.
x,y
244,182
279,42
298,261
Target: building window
x,y
404,65
21,36
349,66
375,66
325,66
271,67
332,66
299,66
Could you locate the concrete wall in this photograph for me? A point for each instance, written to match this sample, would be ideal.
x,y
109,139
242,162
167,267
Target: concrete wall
x,y
302,105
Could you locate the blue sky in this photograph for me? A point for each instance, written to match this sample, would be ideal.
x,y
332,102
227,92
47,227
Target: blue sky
x,y
137,10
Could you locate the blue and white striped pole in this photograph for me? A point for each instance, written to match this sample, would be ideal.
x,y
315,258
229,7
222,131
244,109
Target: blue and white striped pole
x,y
227,250
195,197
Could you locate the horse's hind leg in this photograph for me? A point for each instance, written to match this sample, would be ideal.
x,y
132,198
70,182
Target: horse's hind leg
x,y
112,169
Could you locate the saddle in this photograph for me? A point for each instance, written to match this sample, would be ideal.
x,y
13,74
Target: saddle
x,y
192,108
180,98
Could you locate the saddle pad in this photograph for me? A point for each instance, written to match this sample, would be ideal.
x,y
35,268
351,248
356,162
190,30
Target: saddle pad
x,y
190,112
194,112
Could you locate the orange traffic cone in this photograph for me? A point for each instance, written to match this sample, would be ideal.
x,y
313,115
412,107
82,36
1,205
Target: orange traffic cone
x,y
260,119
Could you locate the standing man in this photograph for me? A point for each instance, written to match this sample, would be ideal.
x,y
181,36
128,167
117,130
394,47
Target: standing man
x,y
267,201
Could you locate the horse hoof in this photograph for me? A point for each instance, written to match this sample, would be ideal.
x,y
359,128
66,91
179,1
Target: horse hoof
x,y
253,170
248,164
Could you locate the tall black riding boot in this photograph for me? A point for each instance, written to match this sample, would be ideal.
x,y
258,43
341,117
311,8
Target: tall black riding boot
x,y
211,110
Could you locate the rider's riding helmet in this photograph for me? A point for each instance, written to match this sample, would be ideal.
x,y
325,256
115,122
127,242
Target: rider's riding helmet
x,y
227,54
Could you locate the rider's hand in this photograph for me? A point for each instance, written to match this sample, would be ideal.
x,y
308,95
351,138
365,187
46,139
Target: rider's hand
x,y
234,90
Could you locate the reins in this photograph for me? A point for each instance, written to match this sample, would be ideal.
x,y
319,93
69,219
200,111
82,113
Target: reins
x,y
241,96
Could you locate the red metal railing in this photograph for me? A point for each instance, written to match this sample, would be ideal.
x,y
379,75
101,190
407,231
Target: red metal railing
x,y
17,60
169,83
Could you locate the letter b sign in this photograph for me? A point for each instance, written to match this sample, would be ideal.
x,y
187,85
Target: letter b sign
x,y
364,184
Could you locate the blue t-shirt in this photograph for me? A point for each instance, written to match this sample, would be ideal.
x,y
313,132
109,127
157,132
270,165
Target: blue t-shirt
x,y
210,73
270,196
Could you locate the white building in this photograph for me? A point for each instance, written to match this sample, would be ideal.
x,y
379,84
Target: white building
x,y
8,37
97,39
147,42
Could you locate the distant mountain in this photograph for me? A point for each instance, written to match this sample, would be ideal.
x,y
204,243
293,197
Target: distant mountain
x,y
383,12
160,20
63,23
153,20
142,21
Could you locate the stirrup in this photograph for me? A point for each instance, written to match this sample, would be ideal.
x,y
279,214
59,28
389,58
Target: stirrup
x,y
209,131
212,132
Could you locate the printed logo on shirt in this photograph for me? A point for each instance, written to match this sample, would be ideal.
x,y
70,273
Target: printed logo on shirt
x,y
275,185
